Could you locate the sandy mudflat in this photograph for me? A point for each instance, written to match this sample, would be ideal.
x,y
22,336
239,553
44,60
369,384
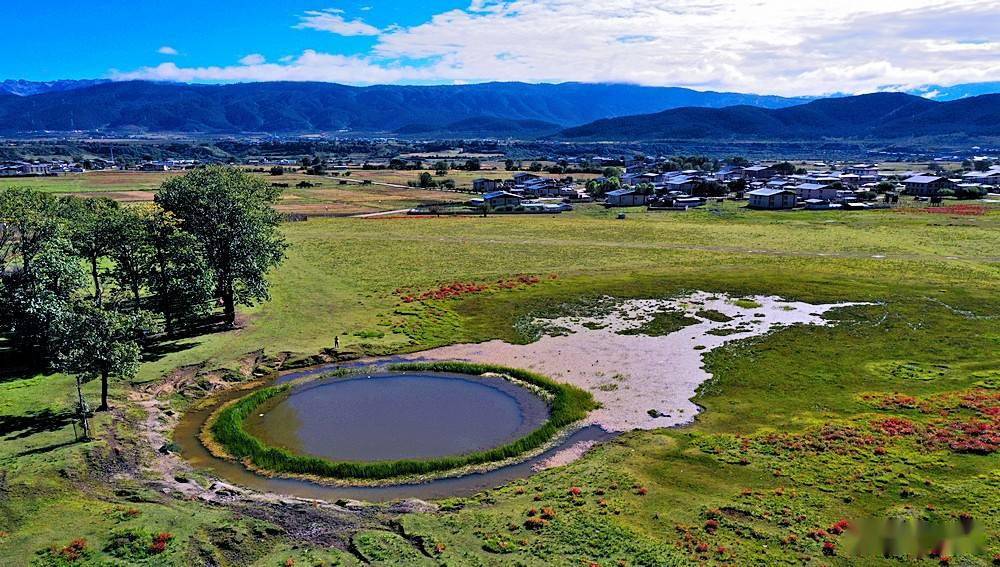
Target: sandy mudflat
x,y
633,374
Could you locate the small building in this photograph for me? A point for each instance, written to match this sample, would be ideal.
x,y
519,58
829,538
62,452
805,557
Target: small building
x,y
810,191
927,185
522,177
501,200
484,185
862,170
772,199
682,183
759,172
625,198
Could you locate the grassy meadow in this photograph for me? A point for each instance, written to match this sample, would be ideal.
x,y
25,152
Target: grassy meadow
x,y
801,428
330,196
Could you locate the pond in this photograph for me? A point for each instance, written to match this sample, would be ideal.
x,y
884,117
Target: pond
x,y
388,416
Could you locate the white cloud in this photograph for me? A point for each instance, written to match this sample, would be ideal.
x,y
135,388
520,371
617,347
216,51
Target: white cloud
x,y
768,46
253,59
166,50
332,21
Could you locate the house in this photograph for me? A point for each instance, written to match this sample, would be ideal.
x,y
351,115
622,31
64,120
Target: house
x,y
522,177
927,185
991,177
851,180
810,191
501,200
771,199
820,205
625,198
758,172
862,170
682,183
484,185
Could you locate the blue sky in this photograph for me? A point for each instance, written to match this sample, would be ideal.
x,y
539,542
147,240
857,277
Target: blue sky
x,y
72,39
788,47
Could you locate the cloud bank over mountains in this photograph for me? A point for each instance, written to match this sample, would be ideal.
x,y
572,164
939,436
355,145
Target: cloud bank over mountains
x,y
782,47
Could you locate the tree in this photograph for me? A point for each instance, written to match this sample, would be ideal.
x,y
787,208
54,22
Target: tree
x,y
508,165
90,231
709,189
535,166
611,171
784,168
472,164
277,170
27,219
885,187
232,215
179,277
33,300
426,180
39,271
738,161
441,168
738,186
100,343
130,251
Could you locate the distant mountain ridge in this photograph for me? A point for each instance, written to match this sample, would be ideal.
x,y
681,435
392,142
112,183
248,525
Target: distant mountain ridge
x,y
879,116
21,87
292,107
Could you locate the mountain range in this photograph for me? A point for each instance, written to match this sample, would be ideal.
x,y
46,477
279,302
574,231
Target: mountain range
x,y
879,116
567,111
286,107
21,87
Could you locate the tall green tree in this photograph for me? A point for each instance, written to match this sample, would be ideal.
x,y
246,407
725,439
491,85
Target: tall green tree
x,y
95,343
232,215
89,224
130,251
39,271
179,276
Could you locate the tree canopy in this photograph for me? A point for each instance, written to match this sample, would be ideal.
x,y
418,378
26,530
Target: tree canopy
x,y
232,215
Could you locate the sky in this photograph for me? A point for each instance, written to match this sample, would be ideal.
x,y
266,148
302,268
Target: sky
x,y
783,47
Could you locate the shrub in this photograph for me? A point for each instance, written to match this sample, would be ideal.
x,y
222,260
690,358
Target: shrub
x,y
568,405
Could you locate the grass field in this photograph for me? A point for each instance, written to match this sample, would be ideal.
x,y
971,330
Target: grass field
x,y
801,428
329,197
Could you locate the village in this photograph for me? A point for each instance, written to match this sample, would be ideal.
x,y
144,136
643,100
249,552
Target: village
x,y
554,184
773,186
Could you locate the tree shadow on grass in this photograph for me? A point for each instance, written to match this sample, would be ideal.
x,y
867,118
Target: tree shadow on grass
x,y
48,448
181,340
46,420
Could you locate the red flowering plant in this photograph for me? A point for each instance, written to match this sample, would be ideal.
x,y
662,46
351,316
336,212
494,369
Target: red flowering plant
x,y
459,289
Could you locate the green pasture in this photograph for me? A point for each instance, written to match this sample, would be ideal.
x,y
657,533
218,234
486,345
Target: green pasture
x,y
733,487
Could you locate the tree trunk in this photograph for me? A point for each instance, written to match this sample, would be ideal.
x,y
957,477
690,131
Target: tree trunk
x,y
95,274
135,295
229,305
104,392
82,408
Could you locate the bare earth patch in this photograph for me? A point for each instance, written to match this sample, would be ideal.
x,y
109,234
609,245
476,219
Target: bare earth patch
x,y
642,382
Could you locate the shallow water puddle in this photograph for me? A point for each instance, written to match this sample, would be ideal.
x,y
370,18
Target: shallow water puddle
x,y
642,382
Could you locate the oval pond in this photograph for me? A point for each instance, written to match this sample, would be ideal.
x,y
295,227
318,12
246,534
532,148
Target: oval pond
x,y
398,416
